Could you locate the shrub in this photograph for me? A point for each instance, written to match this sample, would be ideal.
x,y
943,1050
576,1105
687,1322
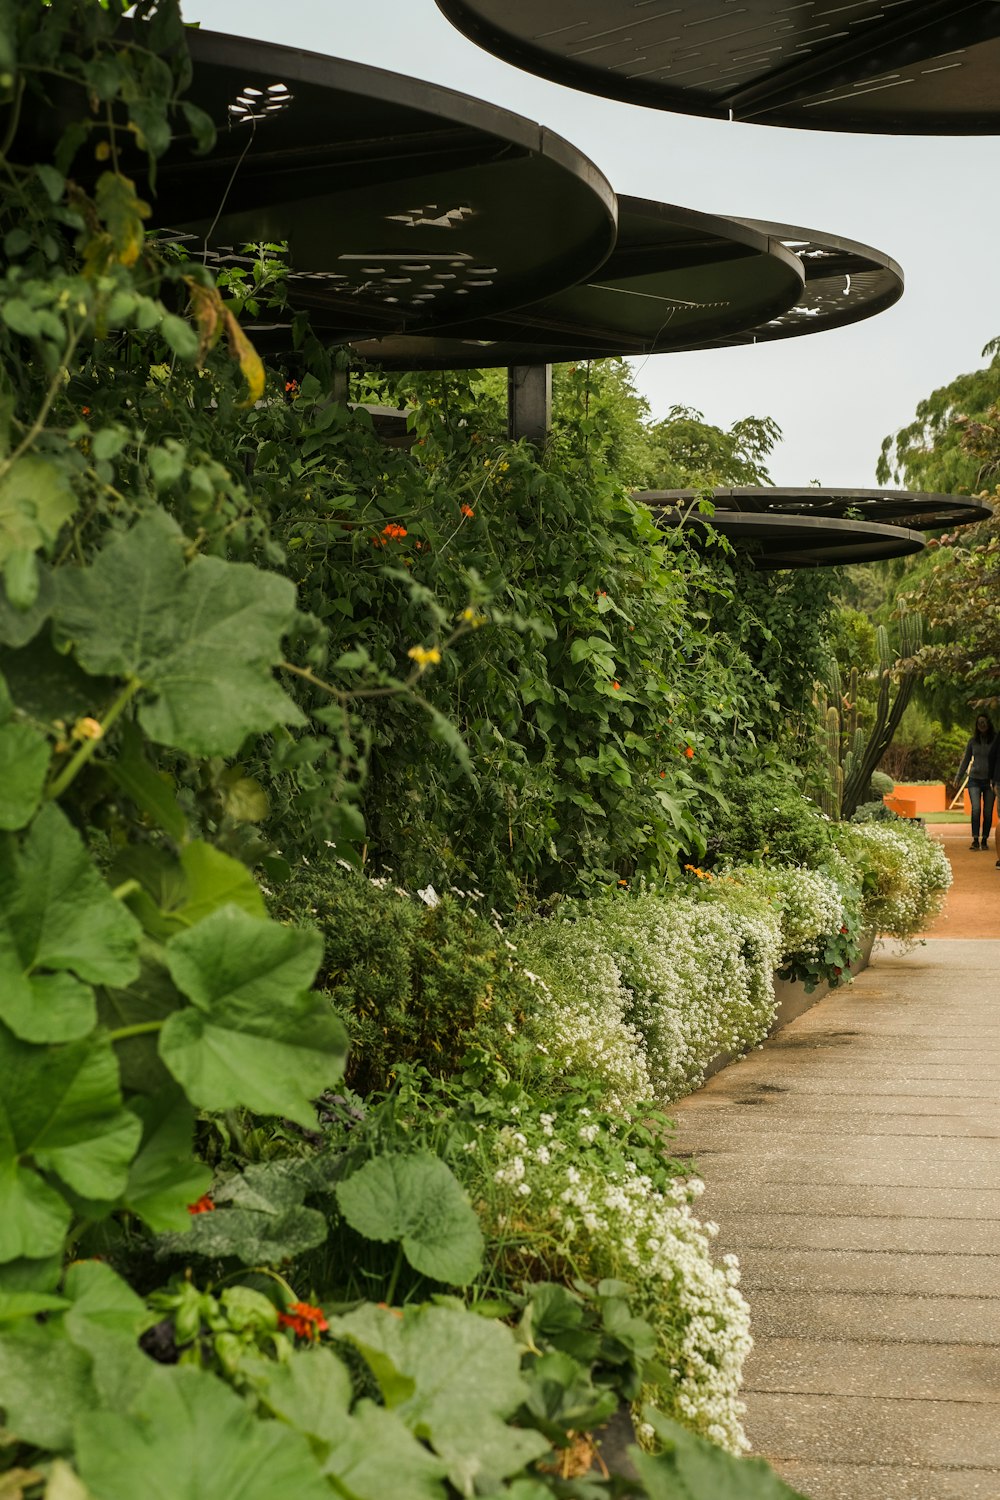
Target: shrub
x,y
700,979
767,816
417,978
904,875
580,1018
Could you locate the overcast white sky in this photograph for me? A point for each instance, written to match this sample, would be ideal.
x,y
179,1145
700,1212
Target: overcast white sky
x,y
929,203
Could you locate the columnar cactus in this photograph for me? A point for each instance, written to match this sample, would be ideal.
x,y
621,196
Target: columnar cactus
x,y
852,754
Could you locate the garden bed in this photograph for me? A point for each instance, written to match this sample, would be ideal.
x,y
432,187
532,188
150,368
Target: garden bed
x,y
793,999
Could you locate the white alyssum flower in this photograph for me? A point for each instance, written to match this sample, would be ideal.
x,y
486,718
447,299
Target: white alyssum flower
x,y
617,1224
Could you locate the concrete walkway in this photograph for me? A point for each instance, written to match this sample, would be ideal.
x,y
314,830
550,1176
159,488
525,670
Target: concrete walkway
x,y
854,1167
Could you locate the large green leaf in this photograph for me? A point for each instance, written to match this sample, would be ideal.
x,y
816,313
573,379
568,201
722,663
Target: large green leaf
x,y
105,1319
24,761
176,893
35,501
165,1176
376,1455
254,1035
59,927
191,1438
254,1239
34,1218
45,1383
416,1199
86,1353
689,1468
201,637
19,626
60,1110
371,1454
266,1224
461,1379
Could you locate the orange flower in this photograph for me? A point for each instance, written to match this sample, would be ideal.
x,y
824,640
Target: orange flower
x,y
689,753
204,1205
602,593
291,387
663,773
305,1321
468,511
616,686
378,541
623,882
85,410
394,531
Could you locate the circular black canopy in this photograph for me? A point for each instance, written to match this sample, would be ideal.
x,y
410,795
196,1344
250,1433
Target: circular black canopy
x,y
404,205
675,278
893,67
915,509
664,252
796,541
845,282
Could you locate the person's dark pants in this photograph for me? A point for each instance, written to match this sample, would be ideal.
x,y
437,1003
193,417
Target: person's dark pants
x,y
982,798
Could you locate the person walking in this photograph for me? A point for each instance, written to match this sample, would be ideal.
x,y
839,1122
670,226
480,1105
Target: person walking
x,y
994,773
980,760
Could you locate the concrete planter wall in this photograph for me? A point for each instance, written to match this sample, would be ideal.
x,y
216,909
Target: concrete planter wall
x,y
793,1001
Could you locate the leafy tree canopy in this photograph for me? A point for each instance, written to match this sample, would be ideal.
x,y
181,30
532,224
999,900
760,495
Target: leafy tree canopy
x,y
934,452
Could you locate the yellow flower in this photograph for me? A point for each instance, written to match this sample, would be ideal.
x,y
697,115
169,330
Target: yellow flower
x,y
87,729
424,656
473,617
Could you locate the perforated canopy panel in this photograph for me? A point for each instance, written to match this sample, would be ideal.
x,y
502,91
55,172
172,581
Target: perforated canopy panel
x,y
915,509
845,282
404,205
774,541
664,257
675,279
879,66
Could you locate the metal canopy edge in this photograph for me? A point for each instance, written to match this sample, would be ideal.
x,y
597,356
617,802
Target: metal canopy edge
x,y
876,66
916,509
771,542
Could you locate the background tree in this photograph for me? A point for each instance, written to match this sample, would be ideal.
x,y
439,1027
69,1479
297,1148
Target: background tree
x,y
953,446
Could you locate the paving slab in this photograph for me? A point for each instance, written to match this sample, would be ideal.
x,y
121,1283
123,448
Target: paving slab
x,y
898,1371
874,1430
853,1164
716,1137
868,1271
896,1202
712,1123
849,1317
881,1482
789,1231
791,1164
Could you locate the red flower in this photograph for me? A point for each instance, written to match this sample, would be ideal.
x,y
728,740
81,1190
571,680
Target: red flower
x,y
305,1321
468,511
291,386
838,971
843,932
689,753
204,1205
85,410
663,773
394,531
